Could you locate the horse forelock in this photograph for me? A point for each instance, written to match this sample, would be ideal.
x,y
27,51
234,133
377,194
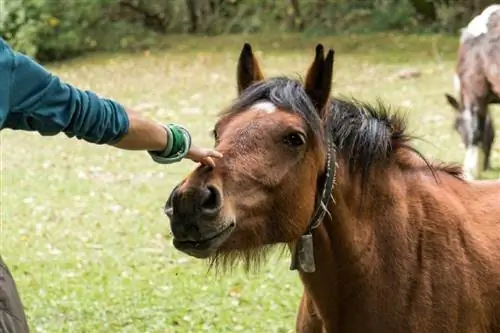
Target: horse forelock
x,y
277,93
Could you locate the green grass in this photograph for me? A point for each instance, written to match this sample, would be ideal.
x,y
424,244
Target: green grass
x,y
83,228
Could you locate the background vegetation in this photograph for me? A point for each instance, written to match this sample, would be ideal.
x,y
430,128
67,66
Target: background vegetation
x,y
82,227
54,29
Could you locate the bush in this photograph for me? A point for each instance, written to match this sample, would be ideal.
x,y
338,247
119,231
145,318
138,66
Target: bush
x,y
52,29
56,29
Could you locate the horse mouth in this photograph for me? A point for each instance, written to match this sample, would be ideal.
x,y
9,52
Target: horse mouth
x,y
205,247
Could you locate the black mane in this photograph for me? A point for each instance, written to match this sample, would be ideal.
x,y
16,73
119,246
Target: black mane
x,y
286,94
363,133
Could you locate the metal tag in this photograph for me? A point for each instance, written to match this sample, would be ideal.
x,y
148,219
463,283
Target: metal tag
x,y
303,255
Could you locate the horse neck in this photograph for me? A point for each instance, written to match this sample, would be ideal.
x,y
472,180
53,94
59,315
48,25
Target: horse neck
x,y
344,249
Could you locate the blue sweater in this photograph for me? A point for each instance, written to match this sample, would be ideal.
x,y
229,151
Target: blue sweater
x,y
32,99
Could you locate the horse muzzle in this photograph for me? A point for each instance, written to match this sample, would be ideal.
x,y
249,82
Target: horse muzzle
x,y
197,224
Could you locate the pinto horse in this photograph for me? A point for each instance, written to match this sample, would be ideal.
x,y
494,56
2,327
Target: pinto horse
x,y
477,80
383,240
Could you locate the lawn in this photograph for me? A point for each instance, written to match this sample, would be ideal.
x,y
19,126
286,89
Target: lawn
x,y
82,226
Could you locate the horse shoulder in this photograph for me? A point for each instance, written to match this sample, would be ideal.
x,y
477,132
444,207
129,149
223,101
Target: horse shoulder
x,y
458,250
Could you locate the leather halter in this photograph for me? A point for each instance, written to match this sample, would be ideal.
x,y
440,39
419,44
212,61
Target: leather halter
x,y
303,253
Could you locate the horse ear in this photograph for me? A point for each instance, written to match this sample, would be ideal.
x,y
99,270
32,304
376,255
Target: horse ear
x,y
319,78
453,102
248,70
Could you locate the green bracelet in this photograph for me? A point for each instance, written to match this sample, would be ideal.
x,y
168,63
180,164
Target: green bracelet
x,y
178,145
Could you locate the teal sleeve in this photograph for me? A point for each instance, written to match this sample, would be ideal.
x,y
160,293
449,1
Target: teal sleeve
x,y
40,101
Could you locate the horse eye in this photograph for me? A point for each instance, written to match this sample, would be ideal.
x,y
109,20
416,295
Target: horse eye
x,y
294,139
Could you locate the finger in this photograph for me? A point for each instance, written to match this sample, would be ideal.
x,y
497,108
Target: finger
x,y
209,161
214,153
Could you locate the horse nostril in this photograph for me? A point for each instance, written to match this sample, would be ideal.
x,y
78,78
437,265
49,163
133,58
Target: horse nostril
x,y
168,209
211,200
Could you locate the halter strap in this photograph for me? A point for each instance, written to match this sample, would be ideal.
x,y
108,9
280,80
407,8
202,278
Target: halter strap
x,y
303,253
324,199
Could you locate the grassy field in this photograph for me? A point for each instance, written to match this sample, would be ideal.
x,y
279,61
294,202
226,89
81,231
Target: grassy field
x,y
82,226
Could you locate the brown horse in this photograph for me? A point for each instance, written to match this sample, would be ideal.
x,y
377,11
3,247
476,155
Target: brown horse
x,y
477,80
384,241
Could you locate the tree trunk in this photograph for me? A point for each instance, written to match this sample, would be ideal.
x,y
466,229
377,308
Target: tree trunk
x,y
426,9
296,21
150,19
192,15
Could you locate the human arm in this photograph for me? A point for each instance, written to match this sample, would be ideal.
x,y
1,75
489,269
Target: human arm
x,y
144,132
40,101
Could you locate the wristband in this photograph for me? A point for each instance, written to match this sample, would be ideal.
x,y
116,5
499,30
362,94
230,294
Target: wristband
x,y
178,145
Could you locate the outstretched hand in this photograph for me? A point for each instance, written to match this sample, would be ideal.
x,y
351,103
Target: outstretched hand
x,y
203,155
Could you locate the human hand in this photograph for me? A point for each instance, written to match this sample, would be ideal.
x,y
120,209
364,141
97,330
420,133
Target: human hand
x,y
203,155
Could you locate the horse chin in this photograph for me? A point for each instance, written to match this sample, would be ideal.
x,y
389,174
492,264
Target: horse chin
x,y
208,244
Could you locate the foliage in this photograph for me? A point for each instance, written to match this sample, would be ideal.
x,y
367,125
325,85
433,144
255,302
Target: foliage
x,y
50,27
54,29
